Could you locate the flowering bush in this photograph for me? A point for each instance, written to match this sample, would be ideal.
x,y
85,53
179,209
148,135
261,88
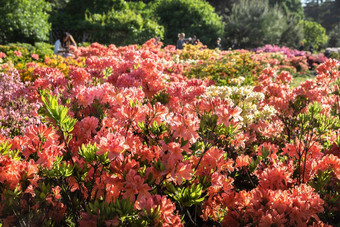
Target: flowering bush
x,y
17,111
226,67
24,52
295,58
125,139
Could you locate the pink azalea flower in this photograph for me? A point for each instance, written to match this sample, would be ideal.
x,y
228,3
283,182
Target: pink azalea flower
x,y
35,56
17,53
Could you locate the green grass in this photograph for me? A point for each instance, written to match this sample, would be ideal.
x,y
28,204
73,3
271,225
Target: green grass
x,y
301,78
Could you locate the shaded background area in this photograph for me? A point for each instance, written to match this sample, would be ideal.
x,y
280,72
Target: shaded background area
x,y
240,23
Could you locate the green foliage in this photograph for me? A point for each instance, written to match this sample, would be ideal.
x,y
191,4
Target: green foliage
x,y
125,26
229,68
40,48
314,123
12,198
5,149
193,17
327,13
334,37
187,196
59,170
321,180
290,7
152,131
314,33
89,154
24,21
211,132
161,97
58,114
222,7
43,49
256,23
299,79
310,126
328,187
109,21
123,209
293,33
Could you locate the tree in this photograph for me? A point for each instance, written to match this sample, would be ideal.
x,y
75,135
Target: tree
x,y
326,13
24,21
293,34
129,24
72,14
222,7
193,17
314,33
334,37
108,21
255,23
290,7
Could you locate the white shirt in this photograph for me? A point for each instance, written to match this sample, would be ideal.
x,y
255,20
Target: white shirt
x,y
58,47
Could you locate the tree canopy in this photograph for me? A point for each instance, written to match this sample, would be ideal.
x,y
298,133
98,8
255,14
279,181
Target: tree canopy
x,y
24,21
326,13
289,7
256,23
108,21
193,17
314,33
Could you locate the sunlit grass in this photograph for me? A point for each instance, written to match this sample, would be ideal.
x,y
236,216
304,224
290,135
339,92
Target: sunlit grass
x,y
301,78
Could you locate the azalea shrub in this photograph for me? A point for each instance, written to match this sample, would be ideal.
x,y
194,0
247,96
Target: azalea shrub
x,y
299,60
17,111
242,66
124,137
231,67
24,52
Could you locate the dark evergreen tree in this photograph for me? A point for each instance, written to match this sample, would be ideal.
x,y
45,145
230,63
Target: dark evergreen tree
x,y
326,13
293,7
254,23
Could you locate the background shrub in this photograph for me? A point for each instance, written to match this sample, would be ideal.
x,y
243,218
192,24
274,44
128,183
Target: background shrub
x,y
314,32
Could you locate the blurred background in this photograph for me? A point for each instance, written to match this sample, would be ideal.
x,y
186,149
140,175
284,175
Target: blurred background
x,y
239,23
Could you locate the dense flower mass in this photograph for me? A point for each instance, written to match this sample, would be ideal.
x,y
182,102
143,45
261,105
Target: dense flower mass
x,y
145,136
17,110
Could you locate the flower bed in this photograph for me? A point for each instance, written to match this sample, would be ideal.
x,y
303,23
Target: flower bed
x,y
124,138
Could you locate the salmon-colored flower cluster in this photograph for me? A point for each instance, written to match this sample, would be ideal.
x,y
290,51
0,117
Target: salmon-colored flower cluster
x,y
124,138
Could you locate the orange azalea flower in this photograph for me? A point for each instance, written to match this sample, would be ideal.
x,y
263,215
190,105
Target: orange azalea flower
x,y
242,160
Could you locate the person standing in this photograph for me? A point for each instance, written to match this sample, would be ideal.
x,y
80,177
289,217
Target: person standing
x,y
319,47
302,47
194,40
311,48
180,41
218,44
